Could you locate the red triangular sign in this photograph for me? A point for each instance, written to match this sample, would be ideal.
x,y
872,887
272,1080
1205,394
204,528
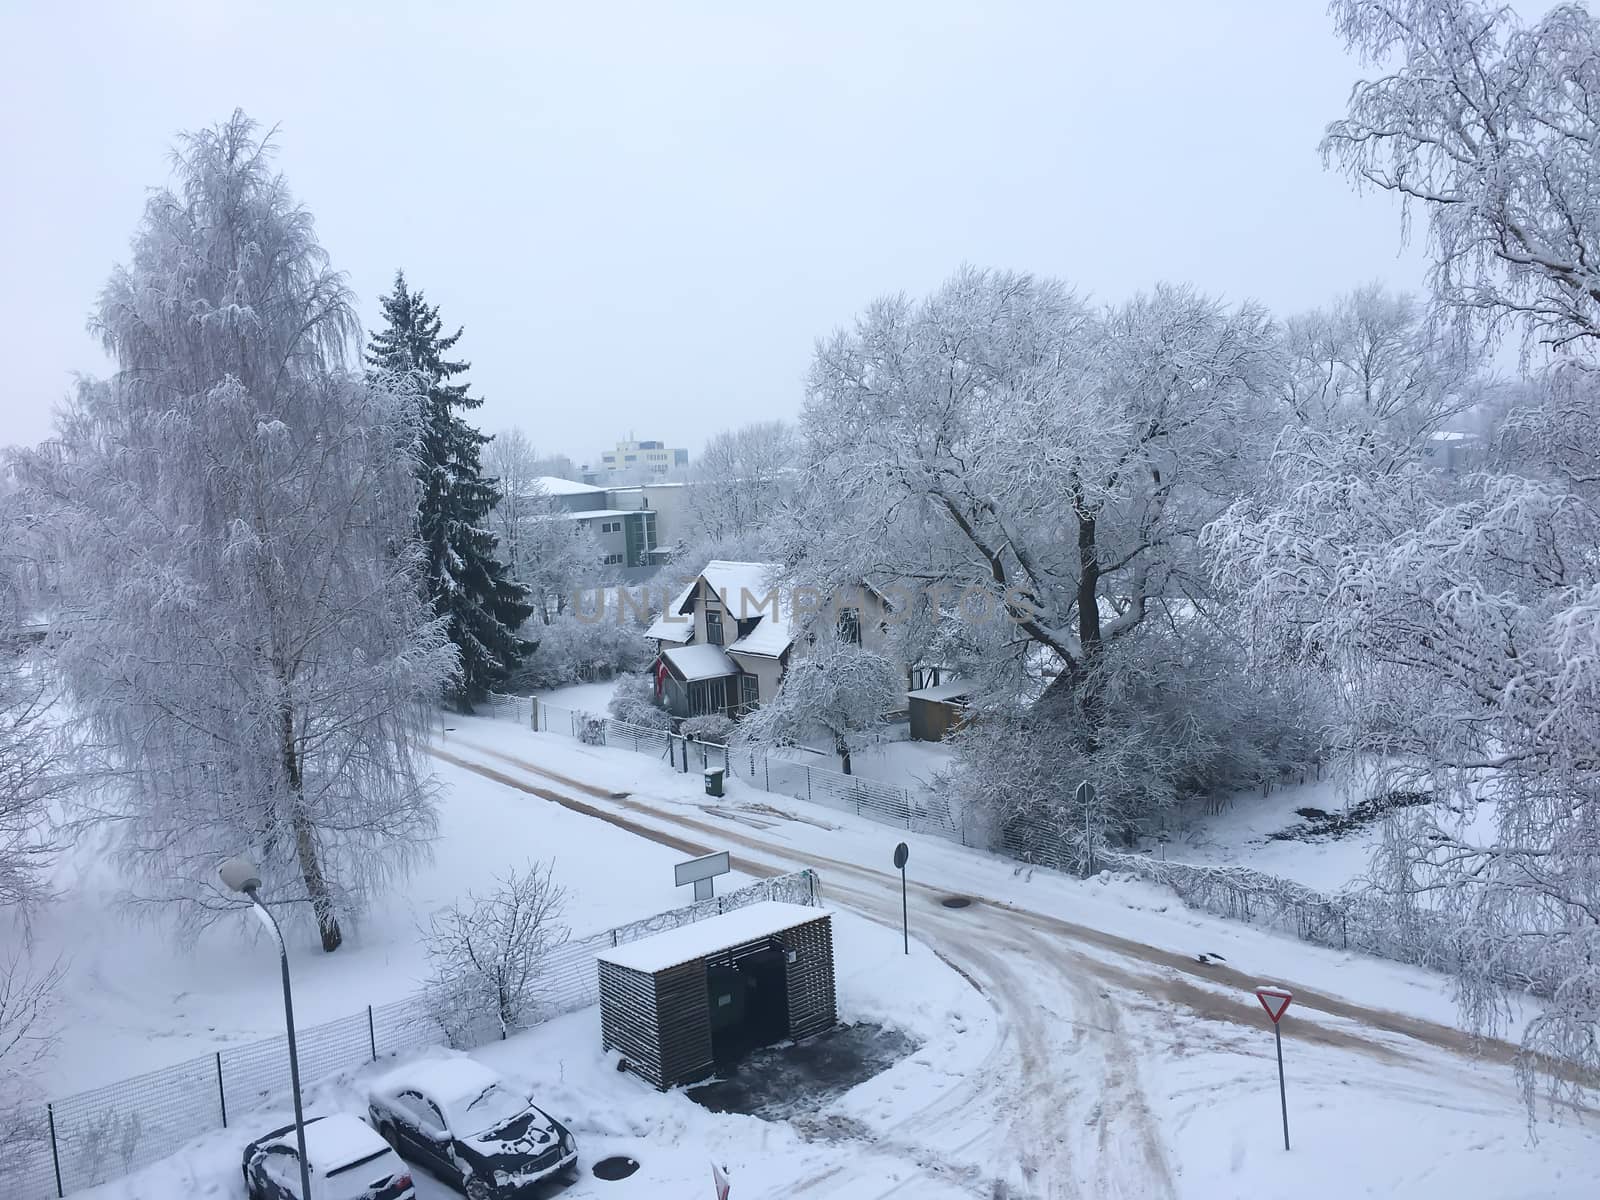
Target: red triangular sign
x,y
721,1182
1275,1001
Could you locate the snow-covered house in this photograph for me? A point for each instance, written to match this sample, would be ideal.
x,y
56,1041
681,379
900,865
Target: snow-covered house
x,y
724,641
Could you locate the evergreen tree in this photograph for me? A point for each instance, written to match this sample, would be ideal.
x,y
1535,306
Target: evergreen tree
x,y
466,581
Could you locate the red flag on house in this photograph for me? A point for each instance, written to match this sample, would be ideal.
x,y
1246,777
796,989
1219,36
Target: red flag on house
x,y
661,677
721,1180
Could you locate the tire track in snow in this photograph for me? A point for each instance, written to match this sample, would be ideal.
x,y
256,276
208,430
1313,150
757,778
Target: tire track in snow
x,y
1051,1137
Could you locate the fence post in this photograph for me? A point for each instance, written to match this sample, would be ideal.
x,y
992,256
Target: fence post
x,y
222,1096
808,782
55,1156
766,770
613,939
372,1037
533,713
907,796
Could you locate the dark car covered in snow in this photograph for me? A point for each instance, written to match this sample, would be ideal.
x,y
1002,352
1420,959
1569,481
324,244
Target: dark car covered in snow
x,y
348,1161
471,1128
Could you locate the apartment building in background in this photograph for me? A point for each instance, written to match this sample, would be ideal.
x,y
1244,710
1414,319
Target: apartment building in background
x,y
636,459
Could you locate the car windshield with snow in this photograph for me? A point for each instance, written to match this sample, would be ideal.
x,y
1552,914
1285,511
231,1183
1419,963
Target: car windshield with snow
x,y
471,1128
347,1160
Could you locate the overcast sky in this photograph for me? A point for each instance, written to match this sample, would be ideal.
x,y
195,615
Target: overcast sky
x,y
644,215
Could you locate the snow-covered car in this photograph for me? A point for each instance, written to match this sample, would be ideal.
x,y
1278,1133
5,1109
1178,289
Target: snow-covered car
x,y
348,1161
470,1127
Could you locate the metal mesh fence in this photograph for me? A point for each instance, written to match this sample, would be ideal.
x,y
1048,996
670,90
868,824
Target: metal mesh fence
x,y
848,793
100,1134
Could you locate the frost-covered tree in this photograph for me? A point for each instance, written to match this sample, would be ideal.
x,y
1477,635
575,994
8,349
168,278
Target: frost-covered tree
x,y
486,953
742,478
1373,372
247,640
634,702
1462,625
513,462
838,689
33,760
1489,127
1001,436
1047,468
466,580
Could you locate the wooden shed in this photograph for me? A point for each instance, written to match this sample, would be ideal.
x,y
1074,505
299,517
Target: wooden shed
x,y
677,1004
935,711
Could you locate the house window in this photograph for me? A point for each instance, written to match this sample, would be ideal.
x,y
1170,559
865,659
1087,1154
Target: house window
x,y
713,627
850,626
613,559
749,691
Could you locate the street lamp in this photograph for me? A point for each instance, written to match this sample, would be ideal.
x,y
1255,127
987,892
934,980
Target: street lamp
x,y
240,875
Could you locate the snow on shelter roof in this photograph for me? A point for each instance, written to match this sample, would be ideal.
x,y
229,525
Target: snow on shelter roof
x,y
703,938
699,662
944,691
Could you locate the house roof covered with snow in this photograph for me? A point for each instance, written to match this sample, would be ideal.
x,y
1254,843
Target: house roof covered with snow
x,y
698,662
703,938
669,627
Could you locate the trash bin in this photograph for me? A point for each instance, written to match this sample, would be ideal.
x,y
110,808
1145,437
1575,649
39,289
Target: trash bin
x,y
714,781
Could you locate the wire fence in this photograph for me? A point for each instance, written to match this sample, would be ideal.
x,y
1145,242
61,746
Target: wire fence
x,y
82,1140
848,793
1344,920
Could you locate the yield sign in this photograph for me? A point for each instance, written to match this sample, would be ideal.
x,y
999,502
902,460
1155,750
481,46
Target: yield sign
x,y
721,1182
1274,1000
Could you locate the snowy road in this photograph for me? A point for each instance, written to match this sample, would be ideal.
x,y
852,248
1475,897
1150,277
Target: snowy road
x,y
1063,1105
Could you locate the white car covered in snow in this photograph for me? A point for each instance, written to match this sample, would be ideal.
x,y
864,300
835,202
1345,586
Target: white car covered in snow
x,y
470,1127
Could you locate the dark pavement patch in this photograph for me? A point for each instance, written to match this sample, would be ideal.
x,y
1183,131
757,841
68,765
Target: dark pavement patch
x,y
793,1078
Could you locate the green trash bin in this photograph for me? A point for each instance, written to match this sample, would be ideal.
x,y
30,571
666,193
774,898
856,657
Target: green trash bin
x,y
714,781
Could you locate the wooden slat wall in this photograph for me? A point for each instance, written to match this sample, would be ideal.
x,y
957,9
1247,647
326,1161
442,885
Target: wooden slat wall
x,y
628,1019
813,1006
683,1024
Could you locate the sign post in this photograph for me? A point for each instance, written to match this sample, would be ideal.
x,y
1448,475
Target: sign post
x,y
720,1182
1084,795
701,871
901,853
1276,1002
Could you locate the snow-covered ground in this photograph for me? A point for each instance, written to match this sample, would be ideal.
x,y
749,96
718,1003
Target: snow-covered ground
x,y
1242,835
134,1000
1125,1066
581,697
1074,1047
674,1139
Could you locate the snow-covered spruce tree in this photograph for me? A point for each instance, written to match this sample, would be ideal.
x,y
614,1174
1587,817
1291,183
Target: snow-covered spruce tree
x,y
466,582
486,954
246,638
1047,466
1463,622
838,689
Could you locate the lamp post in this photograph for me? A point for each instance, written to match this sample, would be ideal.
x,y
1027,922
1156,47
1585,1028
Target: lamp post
x,y
239,874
